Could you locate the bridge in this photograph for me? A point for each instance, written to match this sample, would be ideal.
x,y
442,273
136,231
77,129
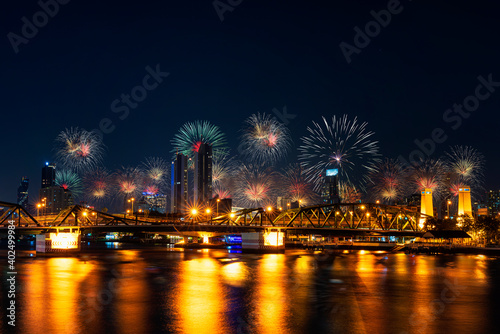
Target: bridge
x,y
333,219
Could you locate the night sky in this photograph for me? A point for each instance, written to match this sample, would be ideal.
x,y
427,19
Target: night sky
x,y
263,55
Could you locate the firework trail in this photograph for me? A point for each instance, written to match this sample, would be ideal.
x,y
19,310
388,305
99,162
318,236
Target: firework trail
x,y
265,140
465,166
79,149
156,176
388,180
69,180
98,184
254,186
342,143
349,193
128,181
192,134
295,185
428,174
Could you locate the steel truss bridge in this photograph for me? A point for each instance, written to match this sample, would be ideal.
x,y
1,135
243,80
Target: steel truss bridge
x,y
352,218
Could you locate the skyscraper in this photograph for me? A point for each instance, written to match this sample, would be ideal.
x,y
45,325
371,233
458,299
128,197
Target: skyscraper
x,y
179,184
330,192
22,192
48,175
56,199
203,174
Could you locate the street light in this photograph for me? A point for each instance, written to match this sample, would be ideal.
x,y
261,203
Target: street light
x,y
132,202
448,207
269,209
38,206
217,213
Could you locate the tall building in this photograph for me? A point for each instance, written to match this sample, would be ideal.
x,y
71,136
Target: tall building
x,y
203,174
284,203
493,202
49,175
464,202
179,184
56,199
331,188
22,192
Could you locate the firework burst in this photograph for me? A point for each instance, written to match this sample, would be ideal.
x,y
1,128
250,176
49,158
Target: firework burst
x,y
296,186
429,174
465,164
155,171
265,140
342,143
255,185
69,180
192,134
128,181
79,149
387,180
349,193
97,184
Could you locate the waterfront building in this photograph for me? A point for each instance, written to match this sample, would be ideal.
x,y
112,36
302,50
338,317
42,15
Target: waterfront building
x,y
179,183
22,192
203,174
48,175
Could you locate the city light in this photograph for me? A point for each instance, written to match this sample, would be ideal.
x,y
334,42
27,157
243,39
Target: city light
x,y
207,211
194,212
269,209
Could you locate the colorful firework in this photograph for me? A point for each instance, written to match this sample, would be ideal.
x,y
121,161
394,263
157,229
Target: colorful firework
x,y
465,164
192,134
349,193
97,184
69,180
128,181
387,180
255,185
296,186
155,171
342,144
220,192
265,140
429,174
222,168
79,149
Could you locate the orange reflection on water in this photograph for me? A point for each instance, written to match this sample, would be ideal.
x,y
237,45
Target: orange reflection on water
x,y
132,294
201,300
271,297
234,274
53,287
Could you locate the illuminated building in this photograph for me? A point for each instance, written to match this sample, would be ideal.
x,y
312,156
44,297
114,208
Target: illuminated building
x,y
284,203
426,206
57,198
331,188
493,202
152,203
179,183
203,174
464,202
49,175
22,192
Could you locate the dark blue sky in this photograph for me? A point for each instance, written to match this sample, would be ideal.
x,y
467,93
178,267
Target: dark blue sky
x,y
261,56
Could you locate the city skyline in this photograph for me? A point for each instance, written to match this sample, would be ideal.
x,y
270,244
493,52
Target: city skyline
x,y
404,90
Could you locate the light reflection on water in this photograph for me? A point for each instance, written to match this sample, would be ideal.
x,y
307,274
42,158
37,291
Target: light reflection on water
x,y
172,291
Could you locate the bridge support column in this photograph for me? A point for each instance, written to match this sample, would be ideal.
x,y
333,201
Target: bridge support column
x,y
59,242
271,240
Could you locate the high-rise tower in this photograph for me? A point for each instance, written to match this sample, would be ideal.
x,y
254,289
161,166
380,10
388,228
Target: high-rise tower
x,y
203,174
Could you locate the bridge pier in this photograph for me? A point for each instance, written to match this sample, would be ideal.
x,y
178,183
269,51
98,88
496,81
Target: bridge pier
x,y
271,240
59,242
